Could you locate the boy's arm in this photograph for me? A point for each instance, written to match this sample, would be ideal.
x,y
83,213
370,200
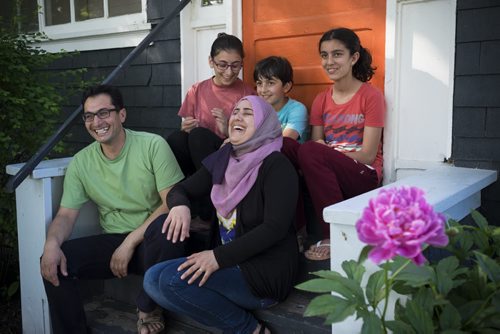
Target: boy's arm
x,y
291,133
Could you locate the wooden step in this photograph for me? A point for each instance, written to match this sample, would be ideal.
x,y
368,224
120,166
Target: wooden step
x,y
108,315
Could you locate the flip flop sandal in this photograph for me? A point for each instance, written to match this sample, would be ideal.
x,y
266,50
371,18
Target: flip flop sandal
x,y
153,318
313,255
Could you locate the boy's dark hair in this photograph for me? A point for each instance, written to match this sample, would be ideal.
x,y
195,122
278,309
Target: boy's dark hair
x,y
225,42
274,66
113,92
362,70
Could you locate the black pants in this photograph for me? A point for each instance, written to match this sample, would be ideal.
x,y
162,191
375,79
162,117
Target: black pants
x,y
89,258
190,149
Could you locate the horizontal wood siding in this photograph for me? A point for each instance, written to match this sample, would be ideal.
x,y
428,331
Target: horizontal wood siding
x,y
476,114
151,85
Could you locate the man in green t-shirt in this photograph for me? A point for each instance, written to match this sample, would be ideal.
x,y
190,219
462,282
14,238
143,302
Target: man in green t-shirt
x,y
128,175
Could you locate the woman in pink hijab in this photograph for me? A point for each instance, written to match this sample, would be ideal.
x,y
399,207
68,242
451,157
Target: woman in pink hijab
x,y
254,190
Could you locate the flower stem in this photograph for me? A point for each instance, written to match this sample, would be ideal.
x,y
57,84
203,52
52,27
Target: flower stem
x,y
388,285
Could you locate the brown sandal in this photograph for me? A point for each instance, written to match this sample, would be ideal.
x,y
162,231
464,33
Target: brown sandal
x,y
153,318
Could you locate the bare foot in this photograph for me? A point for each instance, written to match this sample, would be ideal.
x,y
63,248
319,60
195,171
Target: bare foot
x,y
150,323
258,329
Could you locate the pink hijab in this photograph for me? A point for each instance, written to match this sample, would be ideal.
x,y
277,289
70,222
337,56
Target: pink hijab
x,y
234,168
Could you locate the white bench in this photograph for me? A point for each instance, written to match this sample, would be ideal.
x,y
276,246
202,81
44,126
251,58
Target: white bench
x,y
451,190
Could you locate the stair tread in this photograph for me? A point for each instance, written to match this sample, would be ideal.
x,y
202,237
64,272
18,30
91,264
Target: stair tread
x,y
106,315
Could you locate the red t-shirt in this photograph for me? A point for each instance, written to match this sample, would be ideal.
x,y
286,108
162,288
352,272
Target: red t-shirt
x,y
203,96
343,124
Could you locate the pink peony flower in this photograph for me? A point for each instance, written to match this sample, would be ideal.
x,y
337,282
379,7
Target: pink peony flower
x,y
397,222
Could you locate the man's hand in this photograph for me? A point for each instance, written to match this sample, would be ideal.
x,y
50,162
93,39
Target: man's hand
x,y
188,123
177,223
52,258
198,264
120,259
220,120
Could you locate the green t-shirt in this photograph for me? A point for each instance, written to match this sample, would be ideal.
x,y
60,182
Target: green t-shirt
x,y
125,189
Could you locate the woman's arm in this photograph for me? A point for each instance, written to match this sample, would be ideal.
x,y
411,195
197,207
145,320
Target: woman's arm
x,y
317,133
369,148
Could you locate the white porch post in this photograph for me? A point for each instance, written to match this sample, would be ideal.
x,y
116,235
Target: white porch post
x,y
37,201
37,198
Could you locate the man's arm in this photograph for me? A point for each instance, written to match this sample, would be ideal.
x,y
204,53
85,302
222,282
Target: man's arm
x,y
122,255
59,230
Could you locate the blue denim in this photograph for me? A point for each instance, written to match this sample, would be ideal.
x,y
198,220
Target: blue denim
x,y
222,302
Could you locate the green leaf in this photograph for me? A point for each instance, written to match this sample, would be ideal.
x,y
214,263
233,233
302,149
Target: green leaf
x,y
354,270
450,318
444,270
469,309
479,219
372,324
489,266
453,331
419,318
13,287
424,298
335,308
399,327
364,254
326,274
321,285
375,291
416,276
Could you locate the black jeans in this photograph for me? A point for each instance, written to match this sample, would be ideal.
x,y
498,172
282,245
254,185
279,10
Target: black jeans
x,y
89,258
190,149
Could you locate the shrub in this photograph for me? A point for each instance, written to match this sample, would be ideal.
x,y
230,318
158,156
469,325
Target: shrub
x,y
30,99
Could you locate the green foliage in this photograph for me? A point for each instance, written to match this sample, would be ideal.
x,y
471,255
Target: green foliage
x,y
30,99
458,294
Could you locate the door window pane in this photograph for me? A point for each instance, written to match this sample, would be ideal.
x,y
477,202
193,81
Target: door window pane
x,y
57,12
122,7
88,9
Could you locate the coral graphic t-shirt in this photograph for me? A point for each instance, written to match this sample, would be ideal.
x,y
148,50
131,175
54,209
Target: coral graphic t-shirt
x,y
343,124
203,96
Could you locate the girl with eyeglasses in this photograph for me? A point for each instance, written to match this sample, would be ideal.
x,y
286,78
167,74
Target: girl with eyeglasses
x,y
208,105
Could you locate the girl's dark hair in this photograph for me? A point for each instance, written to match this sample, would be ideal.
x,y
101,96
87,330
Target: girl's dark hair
x,y
362,70
113,92
274,66
225,42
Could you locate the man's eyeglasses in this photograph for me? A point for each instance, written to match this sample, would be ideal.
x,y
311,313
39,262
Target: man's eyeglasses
x,y
222,66
103,113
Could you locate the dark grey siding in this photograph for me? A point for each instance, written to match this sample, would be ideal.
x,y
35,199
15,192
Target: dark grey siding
x,y
151,85
476,114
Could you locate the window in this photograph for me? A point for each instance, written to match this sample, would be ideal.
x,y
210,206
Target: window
x,y
92,24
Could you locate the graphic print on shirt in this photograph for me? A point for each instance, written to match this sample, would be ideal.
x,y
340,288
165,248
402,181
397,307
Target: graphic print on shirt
x,y
343,131
226,227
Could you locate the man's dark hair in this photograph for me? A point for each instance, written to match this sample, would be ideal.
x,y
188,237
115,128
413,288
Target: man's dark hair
x,y
113,92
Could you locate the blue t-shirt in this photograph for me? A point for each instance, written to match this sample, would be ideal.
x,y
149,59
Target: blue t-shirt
x,y
293,116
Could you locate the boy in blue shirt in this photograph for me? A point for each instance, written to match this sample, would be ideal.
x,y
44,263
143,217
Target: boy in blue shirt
x,y
274,79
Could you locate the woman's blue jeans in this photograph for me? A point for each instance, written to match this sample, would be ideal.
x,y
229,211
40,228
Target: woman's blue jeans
x,y
222,302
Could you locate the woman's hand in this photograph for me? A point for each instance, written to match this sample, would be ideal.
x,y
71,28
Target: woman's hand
x,y
188,124
198,264
177,223
220,120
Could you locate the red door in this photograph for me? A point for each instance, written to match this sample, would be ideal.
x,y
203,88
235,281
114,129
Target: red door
x,y
292,29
